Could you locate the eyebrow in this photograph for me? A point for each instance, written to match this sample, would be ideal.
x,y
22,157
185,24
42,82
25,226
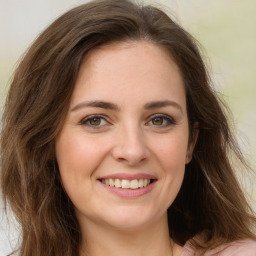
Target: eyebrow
x,y
161,104
112,106
96,104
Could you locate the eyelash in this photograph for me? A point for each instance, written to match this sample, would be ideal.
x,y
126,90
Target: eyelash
x,y
170,121
85,122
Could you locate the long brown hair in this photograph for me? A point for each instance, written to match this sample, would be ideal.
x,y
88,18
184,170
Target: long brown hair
x,y
210,199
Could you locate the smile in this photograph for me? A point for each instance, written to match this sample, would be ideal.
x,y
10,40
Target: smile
x,y
127,184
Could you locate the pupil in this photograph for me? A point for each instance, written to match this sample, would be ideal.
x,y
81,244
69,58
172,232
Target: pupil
x,y
158,121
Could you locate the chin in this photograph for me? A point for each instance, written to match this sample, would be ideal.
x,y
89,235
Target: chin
x,y
131,219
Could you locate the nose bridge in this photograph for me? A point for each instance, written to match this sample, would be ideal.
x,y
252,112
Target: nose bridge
x,y
131,144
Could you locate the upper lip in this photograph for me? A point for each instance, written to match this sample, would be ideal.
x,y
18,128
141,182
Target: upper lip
x,y
128,176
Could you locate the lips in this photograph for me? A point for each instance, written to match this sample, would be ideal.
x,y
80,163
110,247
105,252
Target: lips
x,y
128,185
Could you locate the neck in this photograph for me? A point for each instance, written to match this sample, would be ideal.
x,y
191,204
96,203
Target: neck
x,y
99,240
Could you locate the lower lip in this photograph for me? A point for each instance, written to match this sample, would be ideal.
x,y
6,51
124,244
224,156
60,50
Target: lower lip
x,y
130,193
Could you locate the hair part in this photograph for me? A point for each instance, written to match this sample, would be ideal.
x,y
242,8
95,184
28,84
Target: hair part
x,y
210,199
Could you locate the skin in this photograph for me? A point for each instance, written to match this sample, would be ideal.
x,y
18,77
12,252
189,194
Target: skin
x,y
126,139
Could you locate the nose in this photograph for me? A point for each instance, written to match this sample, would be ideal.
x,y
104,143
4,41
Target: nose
x,y
130,146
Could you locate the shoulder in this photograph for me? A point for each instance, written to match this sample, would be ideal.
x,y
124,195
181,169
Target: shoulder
x,y
246,247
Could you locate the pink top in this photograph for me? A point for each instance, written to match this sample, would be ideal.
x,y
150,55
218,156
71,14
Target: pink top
x,y
245,247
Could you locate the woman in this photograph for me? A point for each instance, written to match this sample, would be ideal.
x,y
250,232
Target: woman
x,y
114,143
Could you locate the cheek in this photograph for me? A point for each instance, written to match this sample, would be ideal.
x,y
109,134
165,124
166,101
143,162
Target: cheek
x,y
77,154
173,161
172,151
77,159
171,155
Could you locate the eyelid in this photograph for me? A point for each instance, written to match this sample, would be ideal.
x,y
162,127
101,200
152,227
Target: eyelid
x,y
164,116
88,118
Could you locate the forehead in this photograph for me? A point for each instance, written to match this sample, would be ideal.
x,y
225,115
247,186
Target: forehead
x,y
129,70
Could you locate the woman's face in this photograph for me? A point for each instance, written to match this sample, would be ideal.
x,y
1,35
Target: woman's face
x,y
124,144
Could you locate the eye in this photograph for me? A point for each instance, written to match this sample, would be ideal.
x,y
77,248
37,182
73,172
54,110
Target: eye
x,y
161,120
94,121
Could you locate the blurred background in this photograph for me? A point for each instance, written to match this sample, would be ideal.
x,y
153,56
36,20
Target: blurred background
x,y
225,28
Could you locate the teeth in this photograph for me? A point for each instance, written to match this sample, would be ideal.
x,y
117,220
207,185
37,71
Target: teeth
x,y
140,183
125,184
111,182
117,183
131,184
134,184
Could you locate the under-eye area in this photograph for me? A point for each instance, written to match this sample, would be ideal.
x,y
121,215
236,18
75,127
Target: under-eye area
x,y
127,184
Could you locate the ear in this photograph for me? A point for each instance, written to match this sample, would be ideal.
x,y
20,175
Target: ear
x,y
192,143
